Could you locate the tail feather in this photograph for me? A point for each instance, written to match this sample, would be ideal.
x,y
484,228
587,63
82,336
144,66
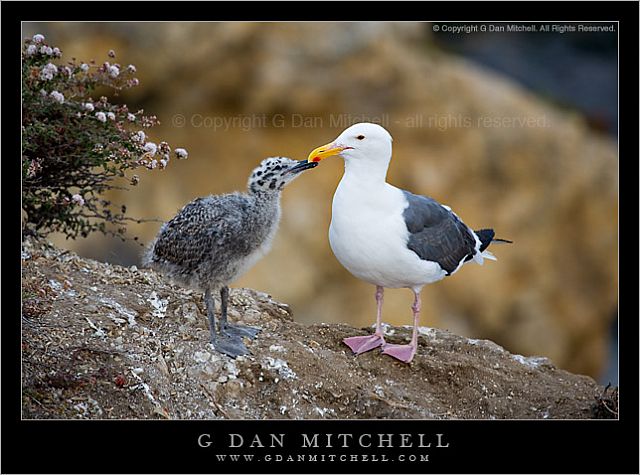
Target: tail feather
x,y
489,255
486,237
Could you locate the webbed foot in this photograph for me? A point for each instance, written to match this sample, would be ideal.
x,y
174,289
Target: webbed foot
x,y
362,344
241,331
404,353
230,346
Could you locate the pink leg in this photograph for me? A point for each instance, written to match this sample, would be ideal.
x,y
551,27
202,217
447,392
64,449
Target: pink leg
x,y
362,344
405,353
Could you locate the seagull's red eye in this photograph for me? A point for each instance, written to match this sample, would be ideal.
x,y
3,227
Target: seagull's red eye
x,y
360,137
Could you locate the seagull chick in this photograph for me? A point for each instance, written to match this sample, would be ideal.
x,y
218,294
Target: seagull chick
x,y
214,240
390,237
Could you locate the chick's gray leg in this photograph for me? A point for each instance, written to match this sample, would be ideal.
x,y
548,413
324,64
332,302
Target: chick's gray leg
x,y
211,314
223,343
234,330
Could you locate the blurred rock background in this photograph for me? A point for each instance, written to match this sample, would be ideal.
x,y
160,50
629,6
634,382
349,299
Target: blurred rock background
x,y
517,155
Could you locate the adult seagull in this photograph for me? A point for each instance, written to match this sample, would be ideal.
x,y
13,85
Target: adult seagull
x,y
390,237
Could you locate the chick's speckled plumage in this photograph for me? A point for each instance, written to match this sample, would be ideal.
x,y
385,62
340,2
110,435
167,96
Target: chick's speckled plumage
x,y
210,242
213,240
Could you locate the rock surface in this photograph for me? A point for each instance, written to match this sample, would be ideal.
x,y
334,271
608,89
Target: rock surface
x,y
104,341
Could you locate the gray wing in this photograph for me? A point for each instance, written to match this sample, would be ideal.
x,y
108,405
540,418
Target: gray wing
x,y
436,234
199,229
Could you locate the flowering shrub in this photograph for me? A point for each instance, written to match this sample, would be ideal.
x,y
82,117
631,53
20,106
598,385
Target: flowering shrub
x,y
75,148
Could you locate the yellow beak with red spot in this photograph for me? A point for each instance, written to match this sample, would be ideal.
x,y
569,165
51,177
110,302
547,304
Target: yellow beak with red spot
x,y
325,151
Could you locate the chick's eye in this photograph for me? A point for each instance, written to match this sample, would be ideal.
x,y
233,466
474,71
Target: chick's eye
x,y
360,137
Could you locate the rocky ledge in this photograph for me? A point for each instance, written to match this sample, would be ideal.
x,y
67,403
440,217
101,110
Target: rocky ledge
x,y
101,341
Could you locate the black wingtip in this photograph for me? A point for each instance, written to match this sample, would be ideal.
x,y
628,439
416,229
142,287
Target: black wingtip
x,y
485,236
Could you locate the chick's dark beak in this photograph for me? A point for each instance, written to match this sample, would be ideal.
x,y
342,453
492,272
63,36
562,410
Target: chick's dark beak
x,y
301,166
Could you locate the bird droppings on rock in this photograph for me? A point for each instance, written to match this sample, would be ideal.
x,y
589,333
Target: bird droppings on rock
x,y
188,311
294,371
281,367
202,356
158,304
99,332
128,314
428,332
54,284
322,411
532,361
386,329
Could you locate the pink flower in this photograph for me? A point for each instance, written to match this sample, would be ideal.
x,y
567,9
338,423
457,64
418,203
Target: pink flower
x,y
34,168
113,71
78,199
181,153
38,38
66,70
48,71
164,148
101,116
111,116
151,148
139,136
57,96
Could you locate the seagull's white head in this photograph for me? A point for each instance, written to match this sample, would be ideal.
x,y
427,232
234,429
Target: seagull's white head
x,y
368,144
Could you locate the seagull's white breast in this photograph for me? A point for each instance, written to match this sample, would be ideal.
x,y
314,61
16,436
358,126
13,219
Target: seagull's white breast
x,y
368,235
